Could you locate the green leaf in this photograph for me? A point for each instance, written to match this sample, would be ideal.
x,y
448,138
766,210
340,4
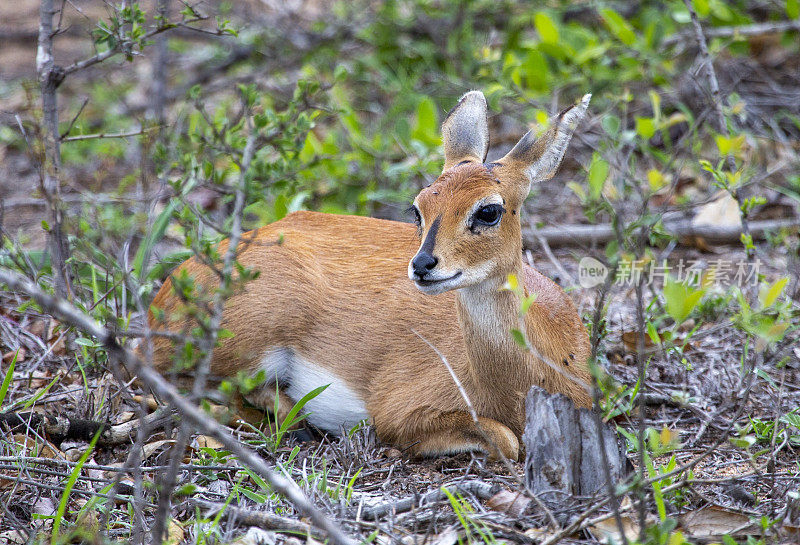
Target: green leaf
x,y
598,173
793,9
680,299
645,127
339,73
311,148
426,127
729,145
254,496
652,332
791,419
611,124
655,179
186,490
618,26
743,442
281,208
290,418
512,283
770,295
526,303
519,338
546,28
535,71
702,7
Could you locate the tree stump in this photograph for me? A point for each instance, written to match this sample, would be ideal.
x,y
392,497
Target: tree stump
x,y
563,449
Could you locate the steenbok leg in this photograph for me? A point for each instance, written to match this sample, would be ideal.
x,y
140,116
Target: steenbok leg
x,y
456,432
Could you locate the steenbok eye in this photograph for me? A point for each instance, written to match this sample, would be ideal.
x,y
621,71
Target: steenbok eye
x,y
412,210
487,215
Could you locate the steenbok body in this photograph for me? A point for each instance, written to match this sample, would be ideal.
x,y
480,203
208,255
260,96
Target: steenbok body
x,y
359,303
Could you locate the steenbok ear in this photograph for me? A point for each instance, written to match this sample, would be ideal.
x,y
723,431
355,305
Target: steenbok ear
x,y
538,159
465,131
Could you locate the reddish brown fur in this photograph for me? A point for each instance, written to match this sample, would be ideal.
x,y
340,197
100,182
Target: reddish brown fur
x,y
312,297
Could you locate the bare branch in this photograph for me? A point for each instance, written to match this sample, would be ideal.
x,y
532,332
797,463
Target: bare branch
x,y
717,104
120,47
68,313
211,331
757,29
566,235
108,135
50,77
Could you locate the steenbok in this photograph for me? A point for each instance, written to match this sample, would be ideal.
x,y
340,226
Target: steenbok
x,y
363,305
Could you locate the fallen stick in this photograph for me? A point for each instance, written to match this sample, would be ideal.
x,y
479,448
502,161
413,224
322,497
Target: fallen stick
x,y
261,519
480,489
586,235
757,29
69,314
61,428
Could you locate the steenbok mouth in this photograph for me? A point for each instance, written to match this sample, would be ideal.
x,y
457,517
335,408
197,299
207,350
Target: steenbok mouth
x,y
428,282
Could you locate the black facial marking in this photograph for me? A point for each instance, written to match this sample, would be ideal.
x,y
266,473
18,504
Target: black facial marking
x,y
489,168
430,240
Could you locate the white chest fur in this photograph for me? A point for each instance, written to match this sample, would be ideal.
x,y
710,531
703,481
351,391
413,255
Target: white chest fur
x,y
335,408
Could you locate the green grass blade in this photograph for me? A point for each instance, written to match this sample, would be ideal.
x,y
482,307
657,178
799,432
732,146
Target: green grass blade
x,y
290,418
7,378
73,477
155,235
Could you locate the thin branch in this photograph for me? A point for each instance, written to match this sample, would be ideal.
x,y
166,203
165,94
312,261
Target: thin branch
x,y
119,47
476,421
757,29
595,343
211,331
60,428
556,263
50,77
68,313
108,135
260,519
480,489
717,103
74,119
566,235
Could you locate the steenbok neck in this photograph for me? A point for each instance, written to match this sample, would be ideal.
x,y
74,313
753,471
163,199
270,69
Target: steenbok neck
x,y
487,314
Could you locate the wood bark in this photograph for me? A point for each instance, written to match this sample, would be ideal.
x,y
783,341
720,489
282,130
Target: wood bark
x,y
579,235
50,77
562,445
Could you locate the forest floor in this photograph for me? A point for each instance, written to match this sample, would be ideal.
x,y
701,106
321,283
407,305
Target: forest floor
x,y
703,405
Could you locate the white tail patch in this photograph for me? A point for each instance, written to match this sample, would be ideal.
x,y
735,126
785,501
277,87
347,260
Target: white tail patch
x,y
337,407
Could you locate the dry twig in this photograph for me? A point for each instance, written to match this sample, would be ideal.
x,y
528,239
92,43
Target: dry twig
x,y
202,423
